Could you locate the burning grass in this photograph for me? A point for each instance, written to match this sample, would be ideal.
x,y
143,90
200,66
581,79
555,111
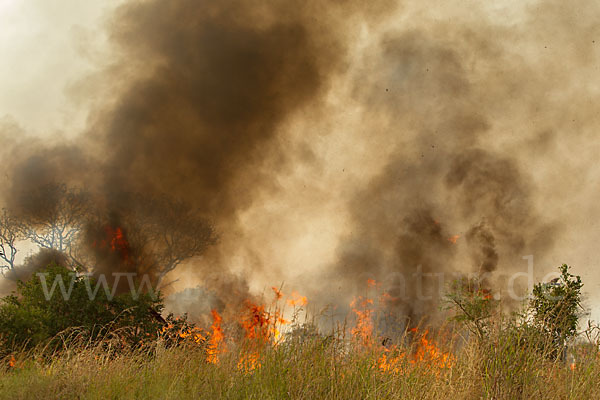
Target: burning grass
x,y
314,367
262,355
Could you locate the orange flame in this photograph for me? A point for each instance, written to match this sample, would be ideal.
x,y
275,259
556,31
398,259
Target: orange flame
x,y
261,328
452,239
249,361
389,363
216,338
363,331
297,300
486,294
426,353
278,293
115,241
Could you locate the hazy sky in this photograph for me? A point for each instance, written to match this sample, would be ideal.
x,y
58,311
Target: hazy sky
x,y
46,47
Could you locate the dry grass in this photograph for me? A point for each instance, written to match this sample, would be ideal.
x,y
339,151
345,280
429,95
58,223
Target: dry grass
x,y
314,368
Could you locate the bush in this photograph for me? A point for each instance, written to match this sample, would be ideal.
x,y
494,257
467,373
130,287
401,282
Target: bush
x,y
514,352
555,308
30,316
473,305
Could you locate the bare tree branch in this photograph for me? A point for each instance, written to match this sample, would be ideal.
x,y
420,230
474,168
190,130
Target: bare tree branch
x,y
173,231
10,234
55,216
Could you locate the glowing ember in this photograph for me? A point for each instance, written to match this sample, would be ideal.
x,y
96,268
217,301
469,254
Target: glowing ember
x,y
278,293
453,239
249,362
486,294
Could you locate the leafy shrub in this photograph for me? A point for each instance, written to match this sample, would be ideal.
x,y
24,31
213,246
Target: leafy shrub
x,y
511,350
39,311
555,308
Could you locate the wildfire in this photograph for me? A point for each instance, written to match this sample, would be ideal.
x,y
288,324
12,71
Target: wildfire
x,y
249,361
183,332
388,362
216,338
363,331
297,300
391,358
426,353
115,241
278,293
452,239
486,294
261,328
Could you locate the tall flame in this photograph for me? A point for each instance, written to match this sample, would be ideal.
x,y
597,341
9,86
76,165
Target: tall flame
x,y
215,344
363,331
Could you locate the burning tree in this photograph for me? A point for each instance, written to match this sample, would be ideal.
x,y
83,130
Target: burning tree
x,y
170,230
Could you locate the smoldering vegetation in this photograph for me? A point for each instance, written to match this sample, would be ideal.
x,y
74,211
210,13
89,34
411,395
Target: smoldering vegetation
x,y
463,112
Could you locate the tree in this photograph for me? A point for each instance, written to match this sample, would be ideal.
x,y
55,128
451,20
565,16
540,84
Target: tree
x,y
54,215
171,230
10,234
555,307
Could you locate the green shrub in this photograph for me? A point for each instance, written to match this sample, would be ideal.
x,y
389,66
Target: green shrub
x,y
555,308
38,311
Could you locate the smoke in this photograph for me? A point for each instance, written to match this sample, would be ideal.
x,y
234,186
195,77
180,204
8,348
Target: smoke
x,y
201,91
334,142
30,266
444,175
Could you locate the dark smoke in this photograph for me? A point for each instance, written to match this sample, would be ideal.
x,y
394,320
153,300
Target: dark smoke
x,y
419,124
30,266
440,180
201,91
484,254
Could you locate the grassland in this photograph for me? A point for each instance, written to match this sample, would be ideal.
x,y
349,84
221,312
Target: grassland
x,y
312,368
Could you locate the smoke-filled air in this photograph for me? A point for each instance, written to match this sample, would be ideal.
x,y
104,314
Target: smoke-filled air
x,y
321,144
229,151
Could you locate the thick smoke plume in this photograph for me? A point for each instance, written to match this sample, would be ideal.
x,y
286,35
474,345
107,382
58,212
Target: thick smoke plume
x,y
334,142
202,90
